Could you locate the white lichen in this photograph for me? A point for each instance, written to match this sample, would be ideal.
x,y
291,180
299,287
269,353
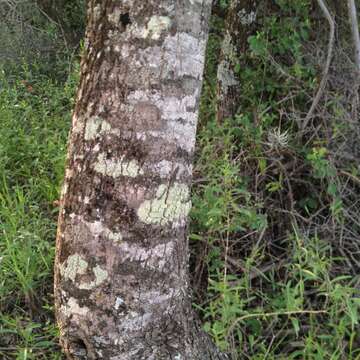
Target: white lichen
x,y
183,55
247,18
115,237
77,124
121,167
134,321
114,17
72,308
73,266
155,27
179,114
95,127
100,276
166,168
171,204
98,229
154,257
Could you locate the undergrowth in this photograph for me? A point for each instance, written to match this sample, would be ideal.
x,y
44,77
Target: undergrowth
x,y
35,117
271,224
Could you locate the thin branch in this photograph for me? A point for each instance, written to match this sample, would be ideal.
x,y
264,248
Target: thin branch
x,y
323,82
355,31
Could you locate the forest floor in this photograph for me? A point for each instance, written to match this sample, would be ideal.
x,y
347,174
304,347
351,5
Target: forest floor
x,y
274,226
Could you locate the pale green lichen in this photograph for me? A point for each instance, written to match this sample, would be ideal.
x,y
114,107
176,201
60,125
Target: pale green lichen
x,y
96,126
169,205
225,74
100,276
155,26
118,168
75,265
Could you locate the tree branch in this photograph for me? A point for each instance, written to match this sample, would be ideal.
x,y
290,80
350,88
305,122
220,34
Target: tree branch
x,y
322,86
355,31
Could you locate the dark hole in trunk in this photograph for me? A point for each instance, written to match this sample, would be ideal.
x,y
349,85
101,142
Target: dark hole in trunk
x,y
125,19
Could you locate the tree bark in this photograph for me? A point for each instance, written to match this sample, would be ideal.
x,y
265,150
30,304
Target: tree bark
x,y
121,272
240,23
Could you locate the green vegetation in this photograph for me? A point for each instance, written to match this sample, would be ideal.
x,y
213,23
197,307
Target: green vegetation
x,y
274,230
273,274
35,118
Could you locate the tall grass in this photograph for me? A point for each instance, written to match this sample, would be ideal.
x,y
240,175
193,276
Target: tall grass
x,y
35,118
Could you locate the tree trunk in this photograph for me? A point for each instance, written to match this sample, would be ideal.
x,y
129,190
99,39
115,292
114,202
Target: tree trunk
x,y
121,272
240,23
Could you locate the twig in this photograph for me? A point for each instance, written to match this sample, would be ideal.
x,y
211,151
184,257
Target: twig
x,y
323,82
351,176
56,23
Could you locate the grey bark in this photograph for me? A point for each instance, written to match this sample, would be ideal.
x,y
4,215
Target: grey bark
x,y
121,273
240,23
355,31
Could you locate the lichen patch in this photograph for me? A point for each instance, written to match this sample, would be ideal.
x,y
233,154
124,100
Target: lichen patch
x,y
95,127
169,205
166,168
100,276
76,265
247,18
72,307
115,237
73,266
155,27
116,168
154,257
178,114
114,17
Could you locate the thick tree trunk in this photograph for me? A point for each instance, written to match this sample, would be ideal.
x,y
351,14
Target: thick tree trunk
x,y
240,23
121,273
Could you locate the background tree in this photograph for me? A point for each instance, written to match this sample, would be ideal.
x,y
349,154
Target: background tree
x,y
240,23
121,275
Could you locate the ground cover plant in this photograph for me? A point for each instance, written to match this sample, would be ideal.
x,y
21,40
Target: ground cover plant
x,y
274,225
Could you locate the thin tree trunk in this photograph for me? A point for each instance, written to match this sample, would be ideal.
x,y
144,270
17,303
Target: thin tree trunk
x,y
355,31
121,273
240,23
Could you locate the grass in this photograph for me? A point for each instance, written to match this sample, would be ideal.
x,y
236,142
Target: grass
x,y
268,284
35,117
